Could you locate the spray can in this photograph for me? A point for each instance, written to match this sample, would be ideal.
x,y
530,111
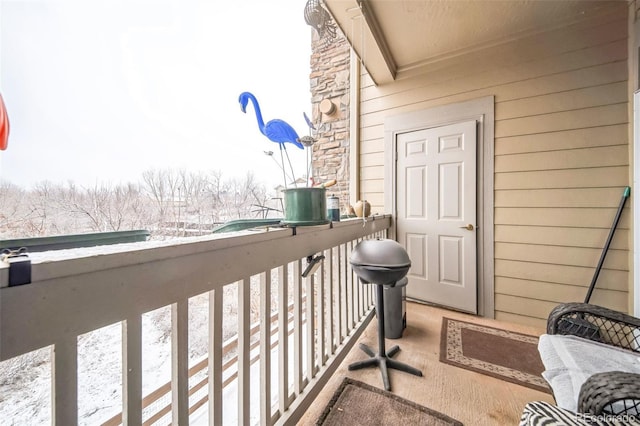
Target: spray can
x,y
333,208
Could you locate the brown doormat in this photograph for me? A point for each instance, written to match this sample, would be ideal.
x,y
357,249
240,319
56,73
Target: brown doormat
x,y
506,355
356,403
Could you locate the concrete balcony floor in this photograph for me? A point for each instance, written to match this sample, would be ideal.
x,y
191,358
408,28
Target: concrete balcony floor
x,y
470,397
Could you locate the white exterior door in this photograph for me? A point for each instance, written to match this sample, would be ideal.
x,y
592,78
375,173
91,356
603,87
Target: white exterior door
x,y
436,213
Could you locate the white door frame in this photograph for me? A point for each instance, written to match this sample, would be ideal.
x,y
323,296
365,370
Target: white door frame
x,y
636,206
481,110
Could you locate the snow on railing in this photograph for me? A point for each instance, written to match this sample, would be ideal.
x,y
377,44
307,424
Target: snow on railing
x,y
80,291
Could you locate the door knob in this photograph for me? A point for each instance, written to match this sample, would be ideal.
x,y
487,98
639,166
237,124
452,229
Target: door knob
x,y
469,227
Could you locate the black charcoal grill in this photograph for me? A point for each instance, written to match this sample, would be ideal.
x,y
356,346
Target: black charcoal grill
x,y
381,262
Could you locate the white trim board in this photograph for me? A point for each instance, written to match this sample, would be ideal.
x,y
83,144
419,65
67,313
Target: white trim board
x,y
636,204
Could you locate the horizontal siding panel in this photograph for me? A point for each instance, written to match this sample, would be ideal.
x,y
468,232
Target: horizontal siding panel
x,y
372,145
420,99
569,159
523,306
574,197
456,91
564,217
566,237
371,159
607,94
376,199
553,122
561,274
369,173
571,256
371,133
371,186
559,293
567,139
570,80
601,177
538,323
366,82
377,117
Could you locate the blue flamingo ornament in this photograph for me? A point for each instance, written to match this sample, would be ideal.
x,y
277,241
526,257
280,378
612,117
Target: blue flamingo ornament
x,y
275,130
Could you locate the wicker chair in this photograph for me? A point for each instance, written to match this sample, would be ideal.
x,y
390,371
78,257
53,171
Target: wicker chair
x,y
610,393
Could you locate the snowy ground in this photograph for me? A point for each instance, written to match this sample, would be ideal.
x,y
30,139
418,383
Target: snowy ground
x,y
25,381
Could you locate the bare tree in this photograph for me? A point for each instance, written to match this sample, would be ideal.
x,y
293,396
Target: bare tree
x,y
167,202
13,209
240,196
124,208
155,185
214,190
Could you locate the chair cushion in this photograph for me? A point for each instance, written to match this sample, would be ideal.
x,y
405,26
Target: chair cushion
x,y
569,361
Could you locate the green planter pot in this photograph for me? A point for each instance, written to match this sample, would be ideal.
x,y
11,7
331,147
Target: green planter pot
x,y
305,206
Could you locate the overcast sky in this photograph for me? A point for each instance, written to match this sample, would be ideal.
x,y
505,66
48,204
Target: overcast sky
x,y
100,90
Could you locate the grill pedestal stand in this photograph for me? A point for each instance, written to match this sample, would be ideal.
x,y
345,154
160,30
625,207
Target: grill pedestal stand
x,y
383,359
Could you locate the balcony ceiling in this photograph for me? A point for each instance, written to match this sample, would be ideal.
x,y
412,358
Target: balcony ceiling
x,y
395,38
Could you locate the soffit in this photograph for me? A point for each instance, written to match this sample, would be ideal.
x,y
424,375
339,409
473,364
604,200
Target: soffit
x,y
397,36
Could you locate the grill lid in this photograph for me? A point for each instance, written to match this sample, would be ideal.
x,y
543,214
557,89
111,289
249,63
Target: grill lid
x,y
380,252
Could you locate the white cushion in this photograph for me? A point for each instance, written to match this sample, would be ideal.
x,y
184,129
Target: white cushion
x,y
569,361
537,413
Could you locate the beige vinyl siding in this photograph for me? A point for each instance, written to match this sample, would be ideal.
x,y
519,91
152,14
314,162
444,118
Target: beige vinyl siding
x,y
561,158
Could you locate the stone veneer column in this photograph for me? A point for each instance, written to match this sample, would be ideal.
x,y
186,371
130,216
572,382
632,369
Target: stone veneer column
x,y
329,80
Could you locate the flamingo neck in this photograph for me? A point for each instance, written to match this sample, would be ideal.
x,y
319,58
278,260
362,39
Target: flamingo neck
x,y
256,108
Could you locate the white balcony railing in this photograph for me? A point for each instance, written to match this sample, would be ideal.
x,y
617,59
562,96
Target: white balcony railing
x,y
297,348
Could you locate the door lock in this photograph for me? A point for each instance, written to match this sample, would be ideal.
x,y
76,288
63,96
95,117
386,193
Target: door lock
x,y
469,227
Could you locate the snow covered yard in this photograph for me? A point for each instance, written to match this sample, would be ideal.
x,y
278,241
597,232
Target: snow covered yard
x,y
25,381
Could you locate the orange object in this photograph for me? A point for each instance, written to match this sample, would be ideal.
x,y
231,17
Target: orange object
x,y
4,126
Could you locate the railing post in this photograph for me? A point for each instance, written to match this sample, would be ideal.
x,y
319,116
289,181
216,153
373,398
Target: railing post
x,y
283,338
341,299
215,356
352,295
322,332
132,371
65,382
310,316
265,348
330,310
346,300
180,362
244,346
297,328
